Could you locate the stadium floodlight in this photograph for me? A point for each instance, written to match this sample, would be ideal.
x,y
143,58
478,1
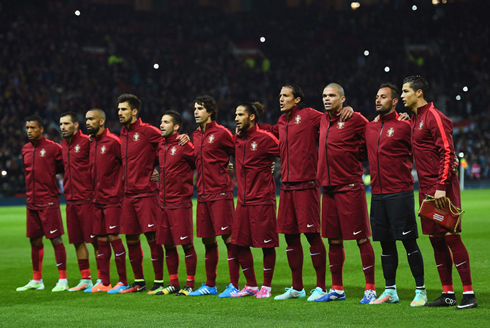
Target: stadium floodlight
x,y
4,173
355,5
465,88
262,39
366,53
458,97
156,66
435,2
77,12
387,69
414,7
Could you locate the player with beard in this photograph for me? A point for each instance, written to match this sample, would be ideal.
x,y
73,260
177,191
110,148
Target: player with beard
x,y
388,142
78,189
105,172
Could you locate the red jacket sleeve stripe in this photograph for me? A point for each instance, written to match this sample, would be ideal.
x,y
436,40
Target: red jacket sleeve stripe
x,y
447,149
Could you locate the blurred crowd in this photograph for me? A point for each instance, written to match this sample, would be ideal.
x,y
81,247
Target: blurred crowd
x,y
52,61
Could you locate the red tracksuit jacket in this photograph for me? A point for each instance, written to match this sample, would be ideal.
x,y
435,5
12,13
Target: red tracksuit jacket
x,y
213,150
389,149
77,181
298,136
341,150
106,168
41,164
177,165
433,147
138,149
254,154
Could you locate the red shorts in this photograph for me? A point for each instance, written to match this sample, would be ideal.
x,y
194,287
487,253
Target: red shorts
x,y
453,193
106,220
44,221
174,226
214,218
139,215
255,225
299,211
344,213
79,221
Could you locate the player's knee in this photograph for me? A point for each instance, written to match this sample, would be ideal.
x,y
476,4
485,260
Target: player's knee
x,y
56,240
169,247
335,241
36,241
362,241
186,247
151,236
131,239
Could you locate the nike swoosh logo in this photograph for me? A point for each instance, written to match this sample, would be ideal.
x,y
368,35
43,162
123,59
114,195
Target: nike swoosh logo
x,y
150,225
267,241
120,254
92,236
457,265
406,233
438,265
231,258
365,268
182,238
267,269
245,269
153,260
309,225
112,227
464,306
58,264
356,233
313,254
385,255
412,253
188,256
101,255
289,250
224,228
53,231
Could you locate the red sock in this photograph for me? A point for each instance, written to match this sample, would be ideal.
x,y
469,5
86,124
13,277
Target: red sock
x,y
172,259
84,267
104,262
269,264
60,256
190,265
247,263
318,255
136,258
294,252
336,257
211,263
37,254
233,264
461,260
157,260
444,263
367,259
120,258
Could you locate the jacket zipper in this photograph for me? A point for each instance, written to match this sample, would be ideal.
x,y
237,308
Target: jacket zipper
x,y
326,152
33,176
69,170
245,172
95,168
287,145
377,155
202,164
164,167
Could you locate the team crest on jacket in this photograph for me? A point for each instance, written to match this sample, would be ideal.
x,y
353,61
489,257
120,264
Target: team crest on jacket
x,y
297,119
390,132
340,125
211,138
42,153
253,146
77,148
421,125
173,150
102,150
136,137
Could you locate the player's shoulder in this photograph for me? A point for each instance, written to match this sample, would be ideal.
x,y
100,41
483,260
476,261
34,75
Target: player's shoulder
x,y
111,137
267,135
27,147
189,145
224,130
148,127
358,117
51,143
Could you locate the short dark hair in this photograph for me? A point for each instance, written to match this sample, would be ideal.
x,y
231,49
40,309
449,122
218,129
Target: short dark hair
x,y
417,82
297,92
255,108
394,90
73,116
209,103
36,118
176,118
132,100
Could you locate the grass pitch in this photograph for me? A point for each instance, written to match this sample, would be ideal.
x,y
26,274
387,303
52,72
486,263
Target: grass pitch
x,y
44,308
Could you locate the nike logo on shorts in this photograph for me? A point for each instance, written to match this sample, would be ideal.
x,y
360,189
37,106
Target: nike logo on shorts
x,y
457,265
121,254
357,232
112,227
267,241
92,236
309,225
53,231
406,233
182,238
224,228
365,268
151,225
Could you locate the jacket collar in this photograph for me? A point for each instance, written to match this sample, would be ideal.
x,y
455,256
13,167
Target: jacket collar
x,y
172,138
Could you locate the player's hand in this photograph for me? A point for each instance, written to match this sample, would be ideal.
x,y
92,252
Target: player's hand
x,y
154,175
345,113
273,167
440,199
403,117
238,133
376,119
183,139
229,167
